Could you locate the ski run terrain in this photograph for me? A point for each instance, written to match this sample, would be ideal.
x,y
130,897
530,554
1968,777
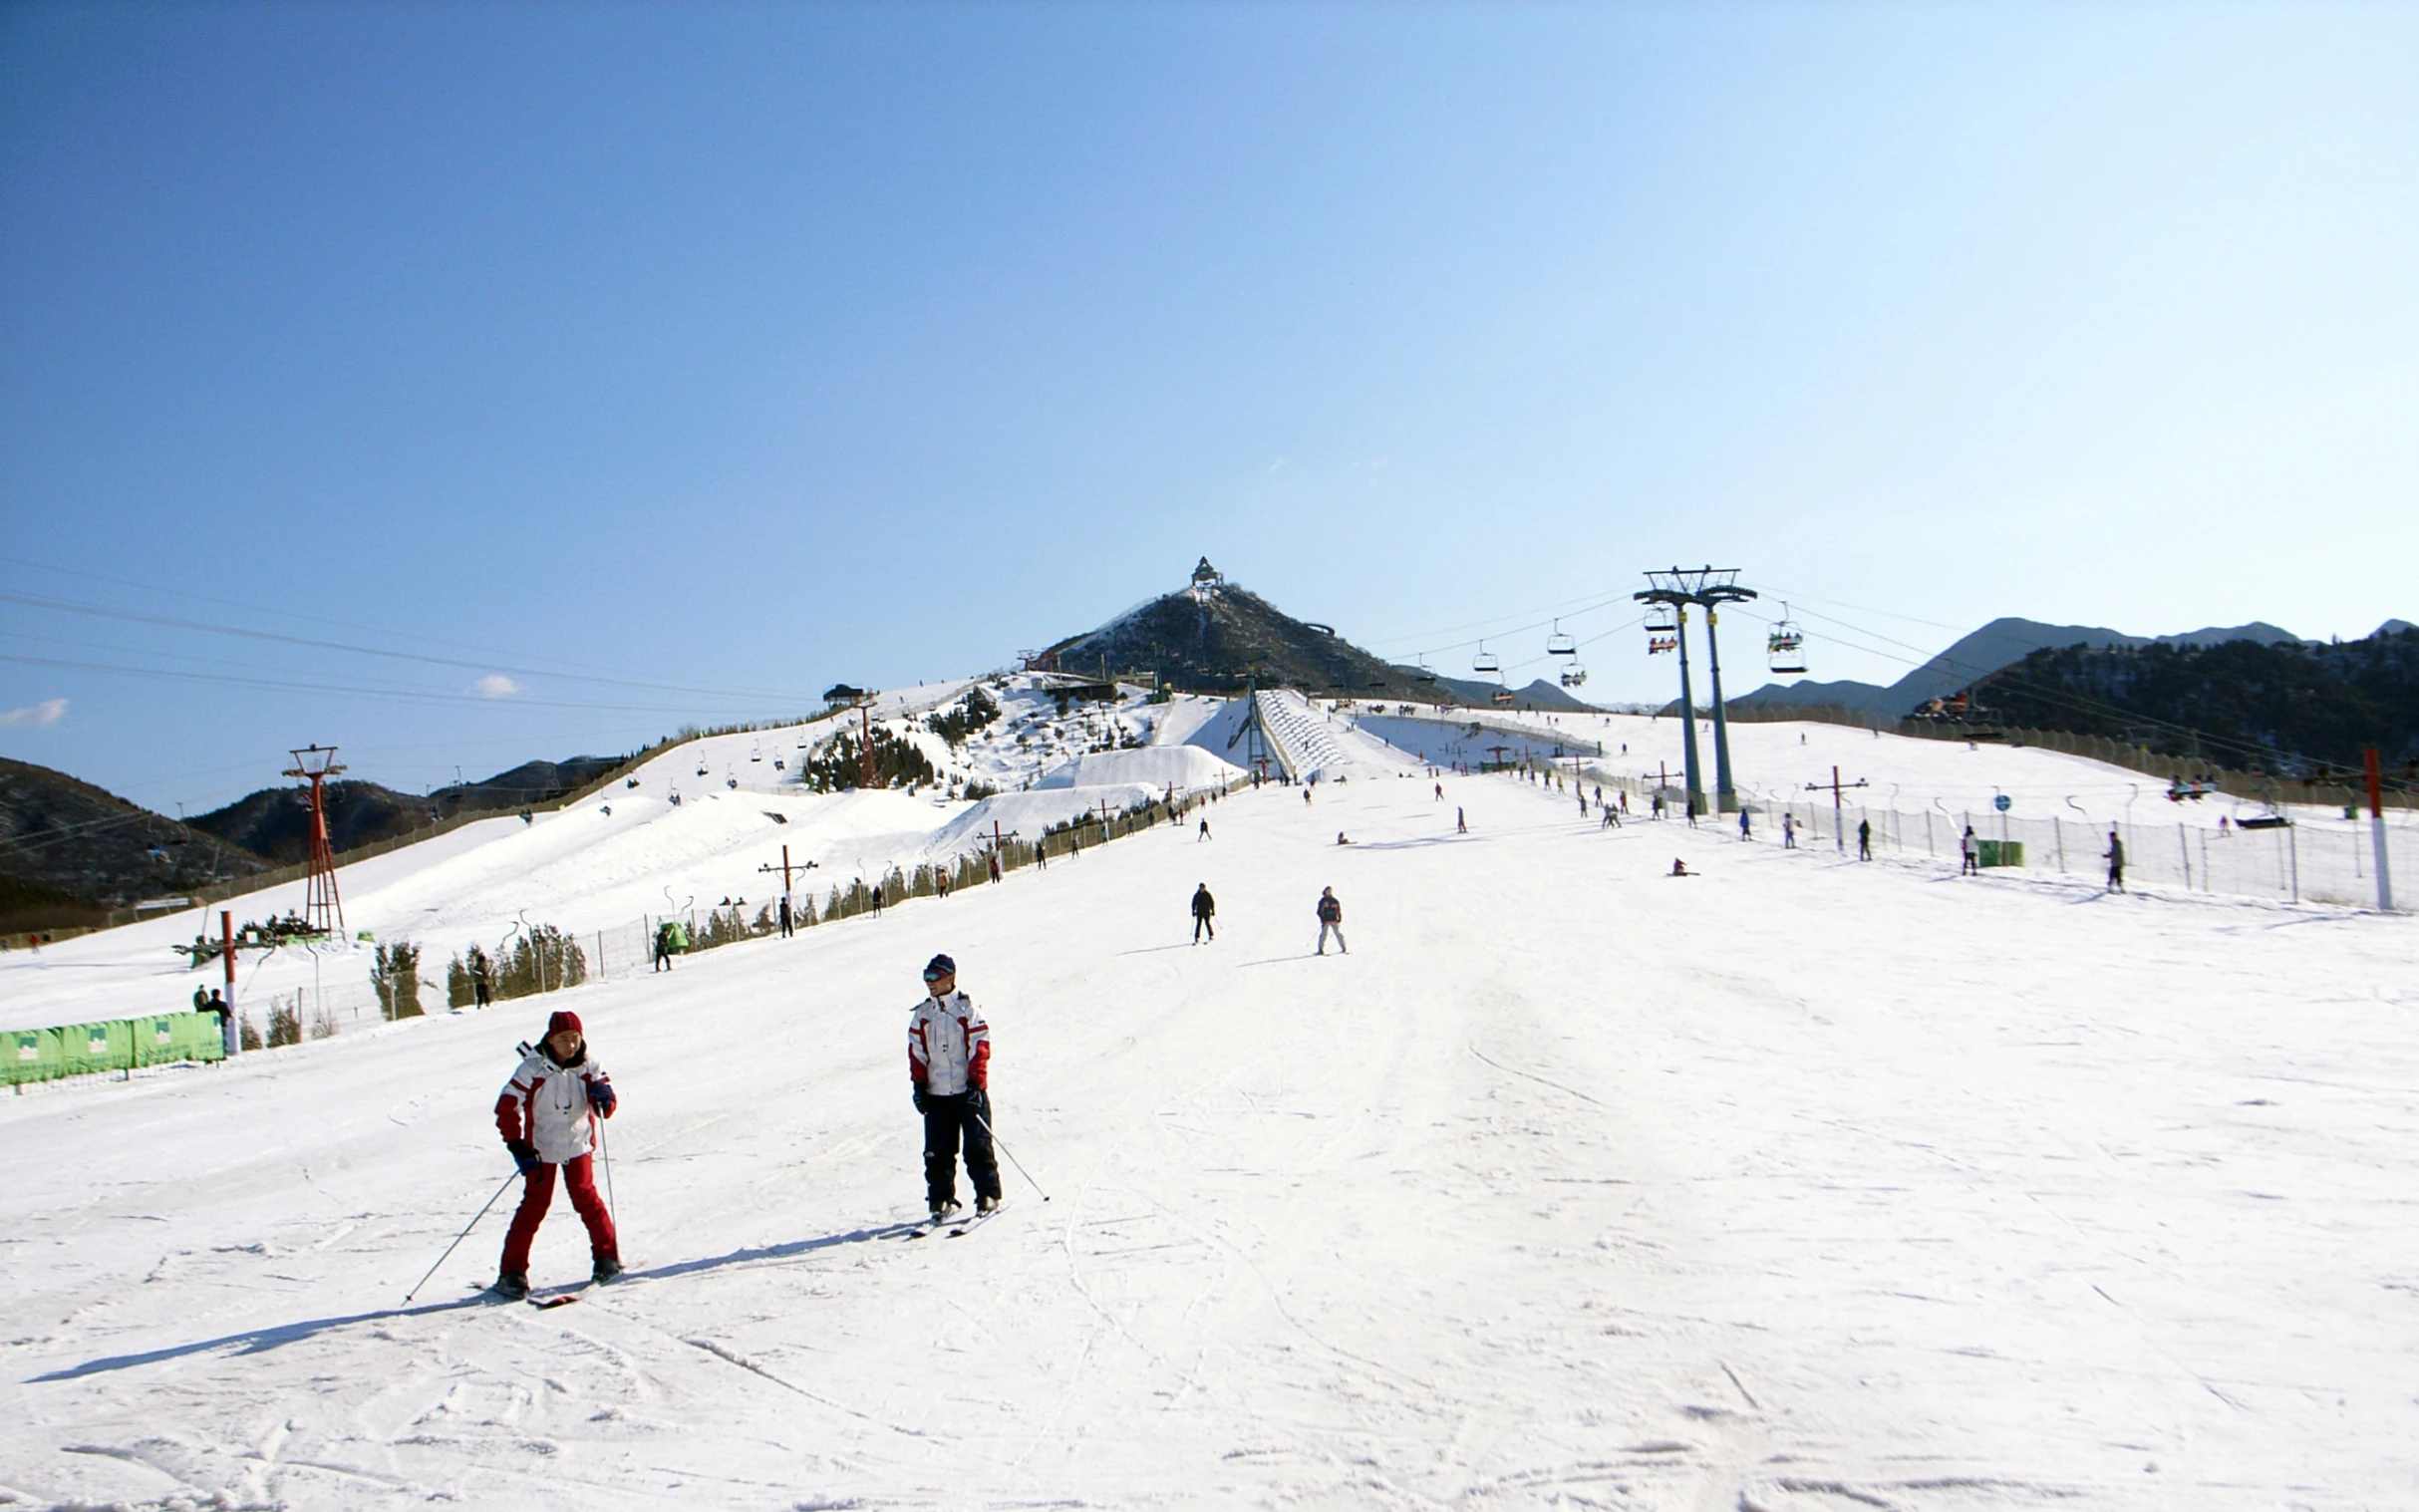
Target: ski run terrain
x,y
1790,1184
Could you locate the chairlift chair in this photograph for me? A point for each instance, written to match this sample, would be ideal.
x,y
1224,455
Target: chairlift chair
x,y
1663,630
1575,677
1504,696
1785,646
1425,674
1559,644
1485,661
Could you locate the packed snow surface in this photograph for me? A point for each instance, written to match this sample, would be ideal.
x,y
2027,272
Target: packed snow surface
x,y
1791,1184
1181,766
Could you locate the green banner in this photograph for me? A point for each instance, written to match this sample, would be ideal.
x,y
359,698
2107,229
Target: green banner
x,y
79,1050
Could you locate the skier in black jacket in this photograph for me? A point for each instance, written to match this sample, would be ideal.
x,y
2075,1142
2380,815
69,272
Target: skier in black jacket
x,y
1203,907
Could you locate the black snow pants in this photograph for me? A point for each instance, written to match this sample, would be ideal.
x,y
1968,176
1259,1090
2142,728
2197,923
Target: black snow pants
x,y
947,1120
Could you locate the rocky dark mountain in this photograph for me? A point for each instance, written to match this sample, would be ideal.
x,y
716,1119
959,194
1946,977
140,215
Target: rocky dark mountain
x,y
1540,694
275,822
1216,637
2000,643
69,851
2282,706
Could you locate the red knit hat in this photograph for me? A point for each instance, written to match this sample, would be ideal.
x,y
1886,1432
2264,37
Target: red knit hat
x,y
564,1019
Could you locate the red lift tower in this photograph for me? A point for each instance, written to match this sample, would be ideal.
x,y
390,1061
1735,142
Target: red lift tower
x,y
324,910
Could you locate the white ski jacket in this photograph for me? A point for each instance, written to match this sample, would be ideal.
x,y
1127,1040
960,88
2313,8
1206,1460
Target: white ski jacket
x,y
948,1046
548,1104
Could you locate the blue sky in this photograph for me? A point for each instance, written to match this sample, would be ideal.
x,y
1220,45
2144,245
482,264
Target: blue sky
x,y
616,367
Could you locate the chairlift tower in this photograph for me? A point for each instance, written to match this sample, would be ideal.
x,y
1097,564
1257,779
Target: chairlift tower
x,y
322,909
1711,588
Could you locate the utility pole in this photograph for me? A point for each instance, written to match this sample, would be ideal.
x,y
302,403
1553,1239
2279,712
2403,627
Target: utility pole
x,y
226,952
2376,830
1839,819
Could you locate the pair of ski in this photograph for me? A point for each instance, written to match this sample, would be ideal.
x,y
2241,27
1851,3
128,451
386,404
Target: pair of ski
x,y
960,1224
561,1299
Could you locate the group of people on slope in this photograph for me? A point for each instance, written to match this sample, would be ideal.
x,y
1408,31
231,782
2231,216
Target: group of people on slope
x,y
550,1111
1330,911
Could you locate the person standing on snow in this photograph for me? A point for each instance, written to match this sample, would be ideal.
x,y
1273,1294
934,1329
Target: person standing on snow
x,y
1969,854
1204,834
1330,917
1203,907
949,1063
2116,861
1864,839
548,1115
1789,830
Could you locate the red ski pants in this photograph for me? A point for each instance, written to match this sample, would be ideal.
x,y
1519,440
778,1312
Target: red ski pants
x,y
538,1192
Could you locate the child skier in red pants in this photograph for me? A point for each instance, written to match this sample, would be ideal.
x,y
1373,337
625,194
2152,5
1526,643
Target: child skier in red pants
x,y
547,1116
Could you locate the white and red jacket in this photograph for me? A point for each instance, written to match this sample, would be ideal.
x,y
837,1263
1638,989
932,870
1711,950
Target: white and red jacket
x,y
548,1104
948,1046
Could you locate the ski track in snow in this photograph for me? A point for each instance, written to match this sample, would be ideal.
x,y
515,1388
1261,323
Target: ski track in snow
x,y
1796,1186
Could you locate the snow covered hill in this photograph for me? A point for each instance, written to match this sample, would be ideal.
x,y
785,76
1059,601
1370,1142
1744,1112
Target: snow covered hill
x,y
1790,1185
690,828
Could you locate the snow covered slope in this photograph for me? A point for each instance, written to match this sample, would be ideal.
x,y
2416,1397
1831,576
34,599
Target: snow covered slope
x,y
691,827
1161,767
1793,1185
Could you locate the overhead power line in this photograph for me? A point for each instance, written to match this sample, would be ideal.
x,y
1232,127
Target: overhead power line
x,y
69,606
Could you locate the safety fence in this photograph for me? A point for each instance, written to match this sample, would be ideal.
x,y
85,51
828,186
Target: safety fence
x,y
2292,862
117,1044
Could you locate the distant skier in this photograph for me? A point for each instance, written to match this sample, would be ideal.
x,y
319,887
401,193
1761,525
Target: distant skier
x,y
1746,829
1340,838
1305,795
877,900
1440,793
1461,821
1788,832
785,915
662,957
1203,907
1330,917
548,1115
1679,868
482,986
1970,854
1204,834
1864,839
2116,861
949,1064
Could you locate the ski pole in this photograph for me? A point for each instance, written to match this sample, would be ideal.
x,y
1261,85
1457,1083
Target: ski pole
x,y
459,1238
612,1209
1012,1156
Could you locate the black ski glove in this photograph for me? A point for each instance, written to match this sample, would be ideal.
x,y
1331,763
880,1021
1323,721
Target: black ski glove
x,y
524,1155
978,1104
920,1096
